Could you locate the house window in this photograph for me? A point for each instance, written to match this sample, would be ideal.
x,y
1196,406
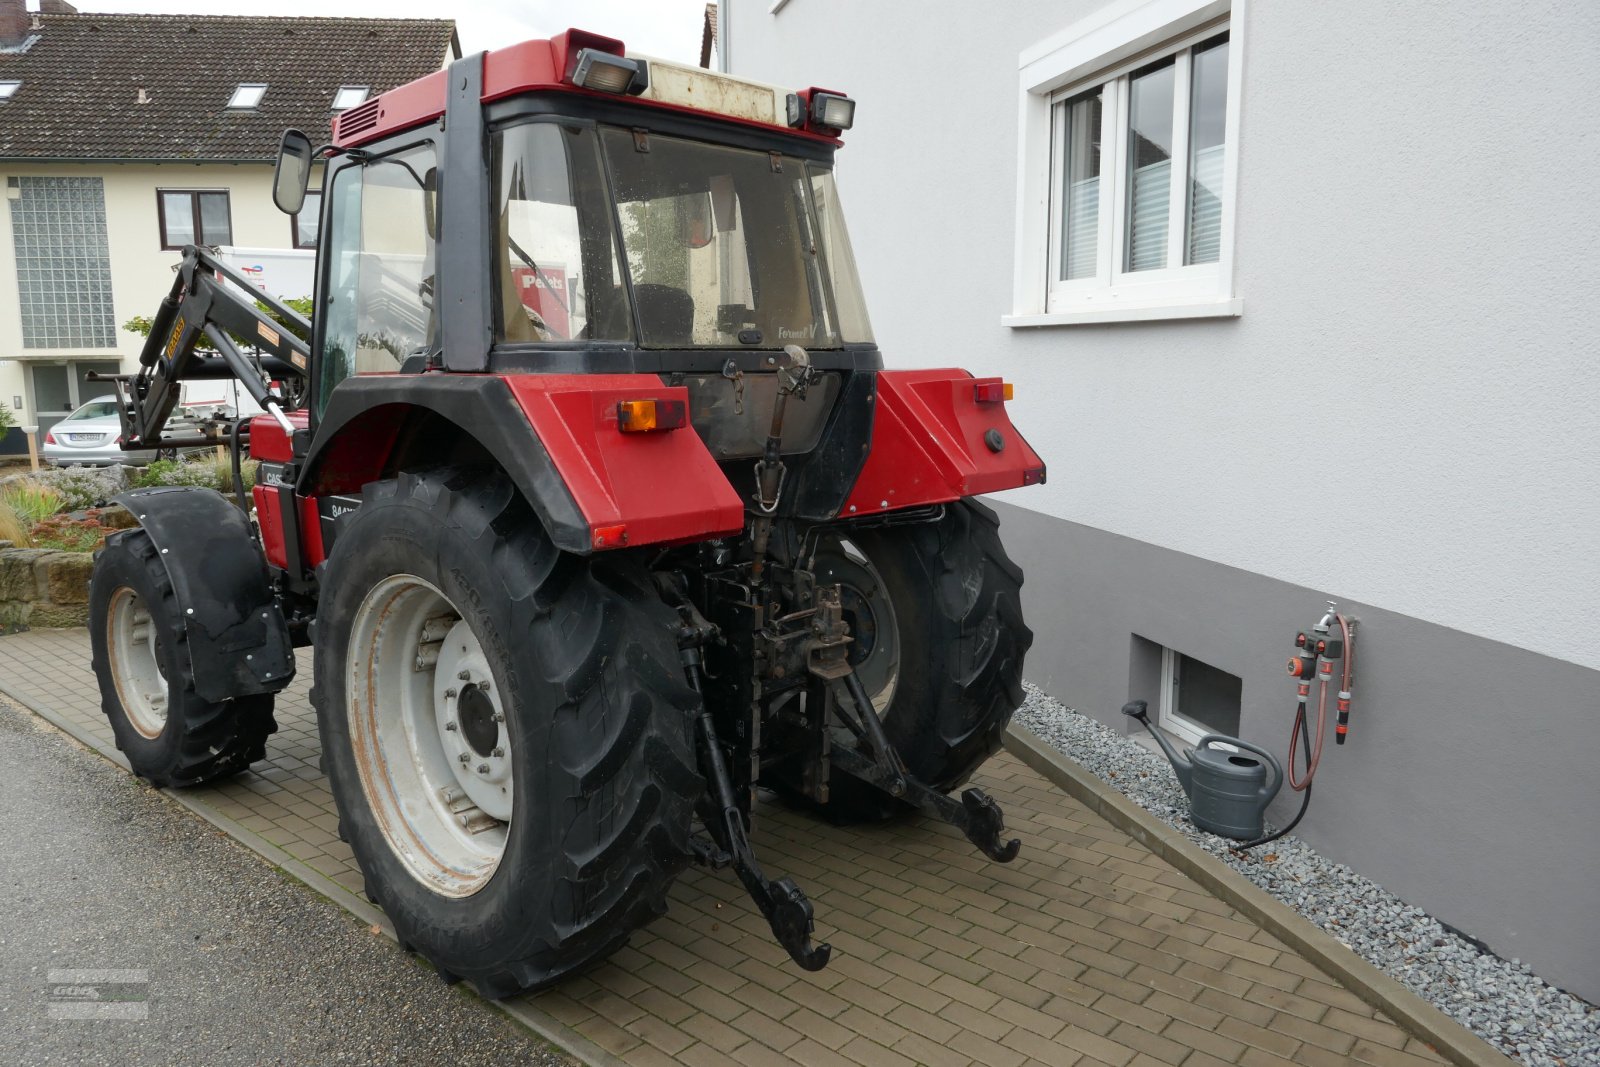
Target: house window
x,y
194,217
1197,698
349,96
8,89
63,257
1126,168
303,223
247,97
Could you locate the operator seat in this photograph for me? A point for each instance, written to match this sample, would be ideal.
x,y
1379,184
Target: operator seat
x,y
667,313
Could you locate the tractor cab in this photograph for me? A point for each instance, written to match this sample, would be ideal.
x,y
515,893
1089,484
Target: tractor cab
x,y
562,206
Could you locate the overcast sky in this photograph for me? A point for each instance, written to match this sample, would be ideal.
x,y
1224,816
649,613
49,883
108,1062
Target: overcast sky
x,y
669,29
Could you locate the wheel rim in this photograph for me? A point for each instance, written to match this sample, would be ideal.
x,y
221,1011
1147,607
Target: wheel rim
x,y
135,653
875,646
429,735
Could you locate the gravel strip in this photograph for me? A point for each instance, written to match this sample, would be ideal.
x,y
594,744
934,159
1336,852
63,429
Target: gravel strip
x,y
1501,1001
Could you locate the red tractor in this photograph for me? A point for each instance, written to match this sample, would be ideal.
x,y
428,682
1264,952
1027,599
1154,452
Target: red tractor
x,y
589,492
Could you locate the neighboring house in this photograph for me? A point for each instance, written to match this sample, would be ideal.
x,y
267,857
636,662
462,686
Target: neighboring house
x,y
125,137
1299,300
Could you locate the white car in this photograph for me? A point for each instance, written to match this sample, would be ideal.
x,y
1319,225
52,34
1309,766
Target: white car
x,y
90,436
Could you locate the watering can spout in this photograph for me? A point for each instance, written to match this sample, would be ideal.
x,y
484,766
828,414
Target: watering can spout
x,y
1137,709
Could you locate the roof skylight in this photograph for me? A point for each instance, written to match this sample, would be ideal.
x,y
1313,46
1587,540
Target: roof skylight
x,y
8,89
349,96
247,97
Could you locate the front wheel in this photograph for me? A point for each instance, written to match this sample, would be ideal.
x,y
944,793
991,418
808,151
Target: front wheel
x,y
169,734
938,640
508,732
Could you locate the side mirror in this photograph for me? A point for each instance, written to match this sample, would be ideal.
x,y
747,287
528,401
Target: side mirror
x,y
293,172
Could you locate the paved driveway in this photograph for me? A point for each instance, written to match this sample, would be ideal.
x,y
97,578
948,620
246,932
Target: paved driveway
x,y
1087,949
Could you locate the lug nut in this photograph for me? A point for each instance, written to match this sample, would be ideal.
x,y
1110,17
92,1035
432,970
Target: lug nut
x,y
464,758
451,726
464,674
498,717
484,685
497,753
483,768
449,694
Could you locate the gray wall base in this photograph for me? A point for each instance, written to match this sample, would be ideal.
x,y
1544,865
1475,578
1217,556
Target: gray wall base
x,y
1468,783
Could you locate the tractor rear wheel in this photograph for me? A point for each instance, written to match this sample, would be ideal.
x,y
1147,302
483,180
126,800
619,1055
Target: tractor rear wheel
x,y
507,730
935,611
170,736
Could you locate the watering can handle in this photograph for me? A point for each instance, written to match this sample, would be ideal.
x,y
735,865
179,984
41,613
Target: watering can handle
x,y
1271,760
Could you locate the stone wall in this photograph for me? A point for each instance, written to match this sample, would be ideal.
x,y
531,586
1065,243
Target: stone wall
x,y
42,587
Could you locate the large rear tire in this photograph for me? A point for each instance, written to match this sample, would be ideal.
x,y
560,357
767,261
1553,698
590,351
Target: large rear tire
x,y
507,729
936,612
170,736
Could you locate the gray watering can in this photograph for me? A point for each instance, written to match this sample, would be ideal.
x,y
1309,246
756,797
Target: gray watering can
x,y
1228,791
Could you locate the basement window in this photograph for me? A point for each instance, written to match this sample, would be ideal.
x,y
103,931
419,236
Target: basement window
x,y
1197,698
247,97
8,89
349,96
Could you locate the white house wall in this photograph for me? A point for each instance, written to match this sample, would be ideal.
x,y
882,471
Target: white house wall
x,y
1401,413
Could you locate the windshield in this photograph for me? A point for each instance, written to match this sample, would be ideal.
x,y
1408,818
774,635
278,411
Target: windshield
x,y
94,409
724,247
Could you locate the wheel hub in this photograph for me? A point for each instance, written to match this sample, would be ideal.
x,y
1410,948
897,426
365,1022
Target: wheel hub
x,y
475,712
467,706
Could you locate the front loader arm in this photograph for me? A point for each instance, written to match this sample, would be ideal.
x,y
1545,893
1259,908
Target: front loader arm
x,y
203,303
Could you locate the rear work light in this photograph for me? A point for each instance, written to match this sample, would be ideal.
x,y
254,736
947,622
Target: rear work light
x,y
606,73
991,392
647,416
821,111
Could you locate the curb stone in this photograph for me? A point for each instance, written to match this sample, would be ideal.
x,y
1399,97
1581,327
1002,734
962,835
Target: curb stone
x,y
1427,1023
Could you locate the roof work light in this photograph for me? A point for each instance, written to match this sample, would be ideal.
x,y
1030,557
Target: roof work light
x,y
607,73
820,110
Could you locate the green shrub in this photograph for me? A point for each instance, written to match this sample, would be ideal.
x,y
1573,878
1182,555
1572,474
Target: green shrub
x,y
207,471
32,502
12,528
68,535
80,488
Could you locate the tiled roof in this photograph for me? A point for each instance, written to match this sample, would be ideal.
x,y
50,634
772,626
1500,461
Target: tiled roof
x,y
82,77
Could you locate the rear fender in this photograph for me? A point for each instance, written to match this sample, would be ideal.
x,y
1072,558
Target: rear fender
x,y
934,442
555,435
238,642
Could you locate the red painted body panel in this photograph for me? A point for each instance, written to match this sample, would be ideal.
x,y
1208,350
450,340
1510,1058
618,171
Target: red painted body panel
x,y
928,445
633,488
532,66
268,441
270,517
270,444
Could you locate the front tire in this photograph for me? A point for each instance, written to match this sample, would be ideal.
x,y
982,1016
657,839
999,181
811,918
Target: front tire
x,y
561,830
170,736
936,611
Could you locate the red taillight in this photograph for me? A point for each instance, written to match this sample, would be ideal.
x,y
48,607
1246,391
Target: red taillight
x,y
991,391
646,416
49,437
611,536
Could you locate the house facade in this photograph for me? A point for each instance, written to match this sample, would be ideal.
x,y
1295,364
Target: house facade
x,y
1298,301
125,137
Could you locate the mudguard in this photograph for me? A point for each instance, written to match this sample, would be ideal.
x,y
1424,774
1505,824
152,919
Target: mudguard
x,y
933,442
238,641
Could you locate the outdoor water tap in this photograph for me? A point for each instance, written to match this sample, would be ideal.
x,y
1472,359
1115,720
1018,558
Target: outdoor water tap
x,y
1327,620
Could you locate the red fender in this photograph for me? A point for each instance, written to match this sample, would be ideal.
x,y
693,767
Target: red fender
x,y
931,444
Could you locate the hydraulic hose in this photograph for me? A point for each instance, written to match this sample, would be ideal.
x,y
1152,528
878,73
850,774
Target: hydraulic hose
x,y
238,467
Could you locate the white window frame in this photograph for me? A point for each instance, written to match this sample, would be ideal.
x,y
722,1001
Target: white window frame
x,y
247,96
1167,716
364,90
1102,50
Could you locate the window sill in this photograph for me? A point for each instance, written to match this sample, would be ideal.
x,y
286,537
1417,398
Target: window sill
x,y
1209,309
